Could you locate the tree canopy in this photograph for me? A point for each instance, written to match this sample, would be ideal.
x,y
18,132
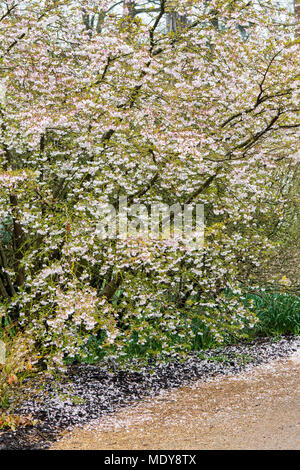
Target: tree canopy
x,y
161,102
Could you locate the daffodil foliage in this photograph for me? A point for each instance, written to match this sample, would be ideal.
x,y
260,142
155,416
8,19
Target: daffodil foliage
x,y
162,102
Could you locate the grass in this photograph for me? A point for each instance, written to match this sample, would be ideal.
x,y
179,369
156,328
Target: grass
x,y
278,313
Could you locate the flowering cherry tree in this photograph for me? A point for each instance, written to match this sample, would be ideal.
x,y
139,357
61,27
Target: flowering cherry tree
x,y
103,102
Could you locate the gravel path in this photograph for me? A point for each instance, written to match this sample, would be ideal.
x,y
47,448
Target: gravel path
x,y
86,393
255,410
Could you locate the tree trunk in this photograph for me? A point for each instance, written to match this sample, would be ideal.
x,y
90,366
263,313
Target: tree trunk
x,y
18,236
6,282
3,291
175,21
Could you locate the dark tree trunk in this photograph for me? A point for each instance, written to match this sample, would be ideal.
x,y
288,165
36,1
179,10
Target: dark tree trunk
x,y
18,237
175,21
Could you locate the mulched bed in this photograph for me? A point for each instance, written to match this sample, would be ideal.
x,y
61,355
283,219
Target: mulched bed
x,y
87,392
